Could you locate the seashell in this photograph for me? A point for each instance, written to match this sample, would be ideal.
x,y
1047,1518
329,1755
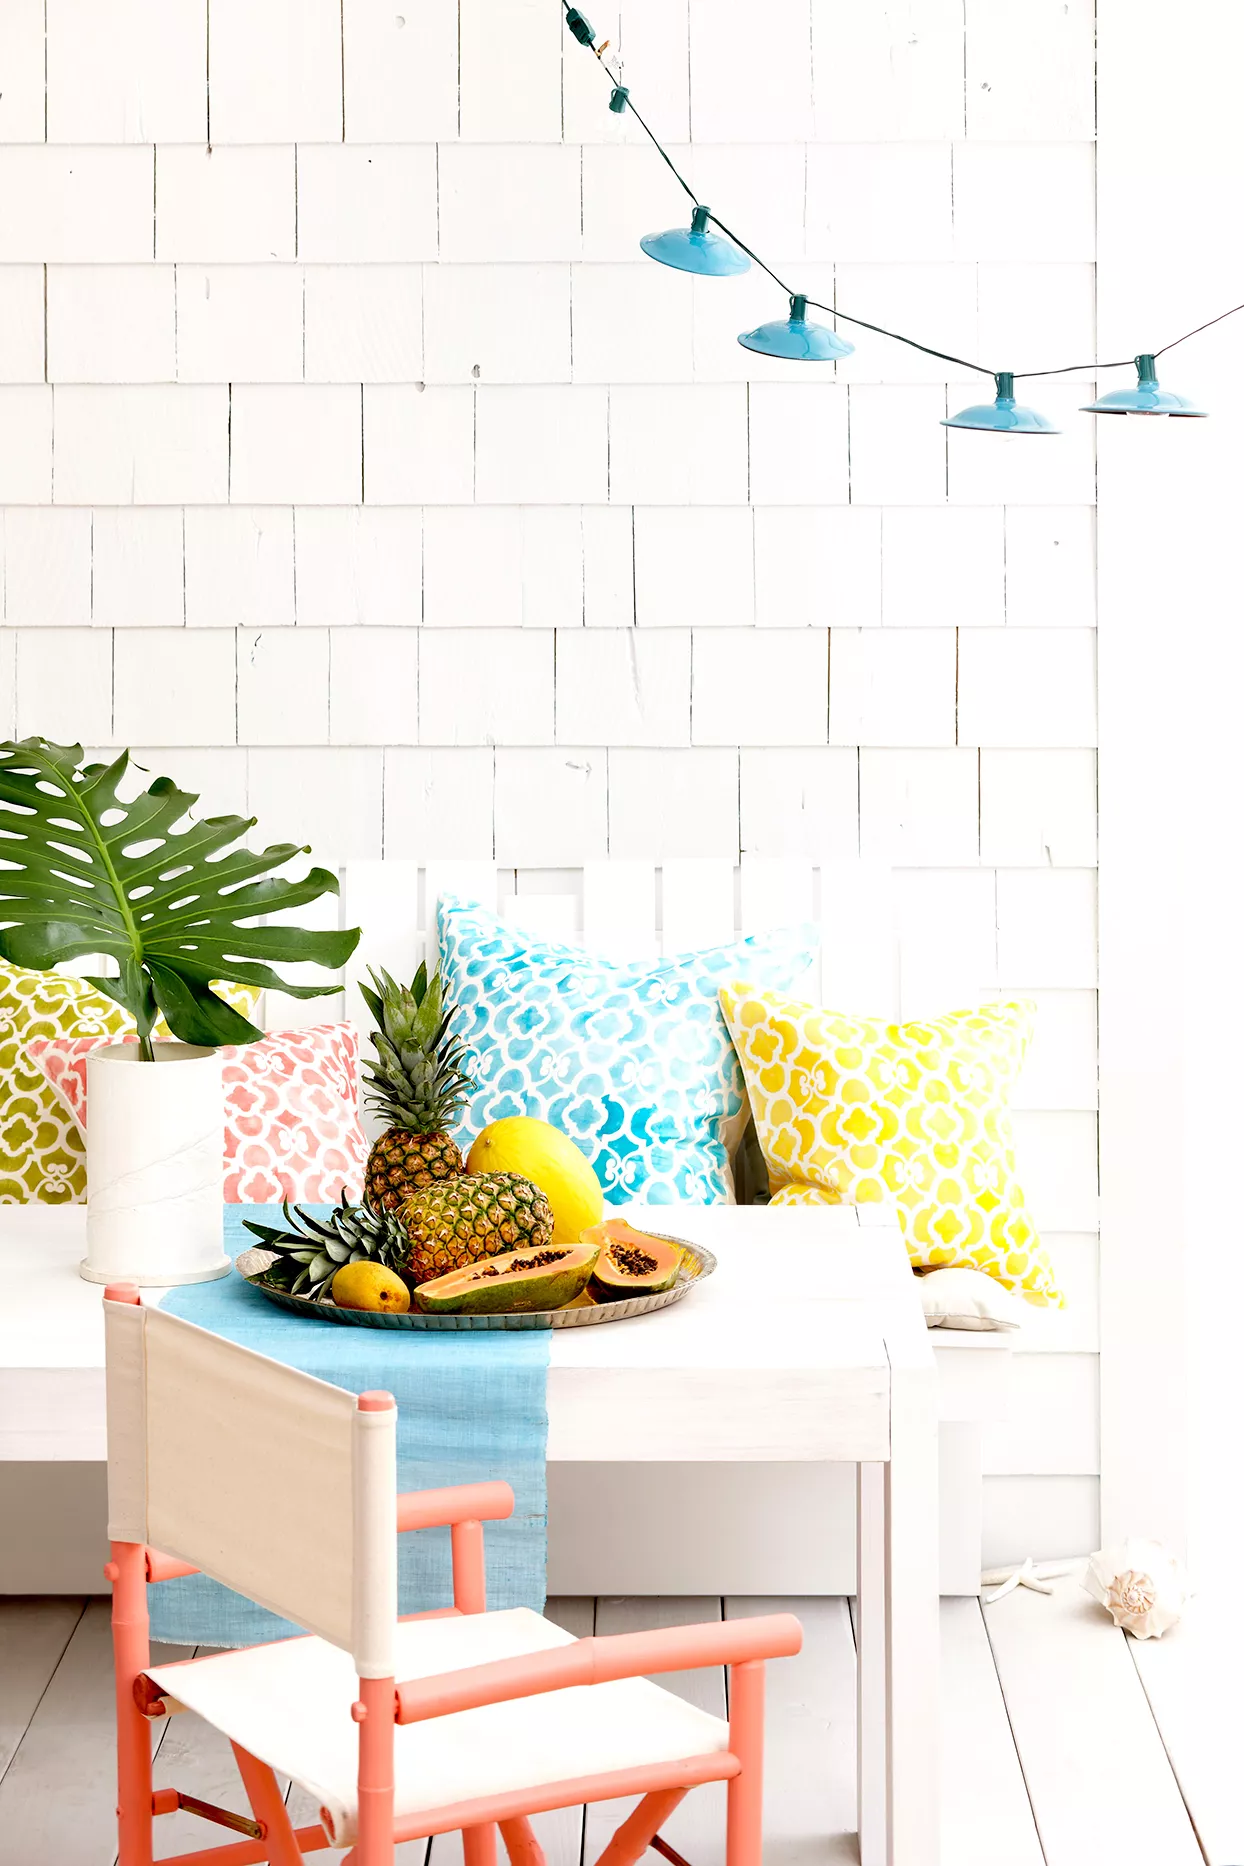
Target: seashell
x,y
1141,1584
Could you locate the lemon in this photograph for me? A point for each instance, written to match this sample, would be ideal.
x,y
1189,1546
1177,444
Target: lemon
x,y
550,1159
370,1286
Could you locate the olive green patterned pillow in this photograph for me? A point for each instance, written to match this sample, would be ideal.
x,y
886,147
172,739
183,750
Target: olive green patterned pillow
x,y
42,1153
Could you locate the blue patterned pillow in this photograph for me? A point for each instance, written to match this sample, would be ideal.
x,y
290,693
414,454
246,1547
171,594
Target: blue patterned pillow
x,y
633,1060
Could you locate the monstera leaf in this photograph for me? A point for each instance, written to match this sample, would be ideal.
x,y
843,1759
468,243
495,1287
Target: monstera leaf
x,y
81,871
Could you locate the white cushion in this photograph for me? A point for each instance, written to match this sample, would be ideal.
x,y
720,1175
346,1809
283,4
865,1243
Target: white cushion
x,y
963,1298
289,1704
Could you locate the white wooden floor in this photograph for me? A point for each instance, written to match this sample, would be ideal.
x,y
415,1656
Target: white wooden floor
x,y
1065,1743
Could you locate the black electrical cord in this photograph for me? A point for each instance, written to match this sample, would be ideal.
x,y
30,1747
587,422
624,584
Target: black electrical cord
x,y
579,26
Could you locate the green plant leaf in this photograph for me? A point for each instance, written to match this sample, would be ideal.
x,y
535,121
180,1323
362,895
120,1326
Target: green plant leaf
x,y
172,900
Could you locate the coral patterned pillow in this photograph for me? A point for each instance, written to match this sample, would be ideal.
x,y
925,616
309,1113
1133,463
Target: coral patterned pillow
x,y
292,1128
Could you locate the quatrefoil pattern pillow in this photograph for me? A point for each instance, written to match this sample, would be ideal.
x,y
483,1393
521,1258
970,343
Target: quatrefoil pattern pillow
x,y
631,1060
291,1117
852,1109
42,1156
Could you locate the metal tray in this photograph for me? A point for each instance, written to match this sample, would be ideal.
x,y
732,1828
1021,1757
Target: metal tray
x,y
697,1263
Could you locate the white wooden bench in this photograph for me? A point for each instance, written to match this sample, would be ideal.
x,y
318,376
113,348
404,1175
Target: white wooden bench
x,y
746,1529
601,1517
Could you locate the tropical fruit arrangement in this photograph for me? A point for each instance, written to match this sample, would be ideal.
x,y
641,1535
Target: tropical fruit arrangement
x,y
516,1226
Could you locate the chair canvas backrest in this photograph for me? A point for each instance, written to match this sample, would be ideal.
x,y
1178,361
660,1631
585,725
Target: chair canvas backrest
x,y
270,1481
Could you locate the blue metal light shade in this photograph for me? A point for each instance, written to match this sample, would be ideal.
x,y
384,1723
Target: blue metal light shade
x,y
1002,416
1147,398
796,338
696,249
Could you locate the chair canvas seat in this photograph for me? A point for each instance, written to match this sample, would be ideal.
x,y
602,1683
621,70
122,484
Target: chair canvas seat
x,y
289,1704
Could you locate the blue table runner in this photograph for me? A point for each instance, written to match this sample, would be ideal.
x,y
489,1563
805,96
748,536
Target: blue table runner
x,y
471,1406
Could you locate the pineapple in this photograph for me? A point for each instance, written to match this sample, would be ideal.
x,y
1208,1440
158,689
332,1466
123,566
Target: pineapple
x,y
479,1215
309,1254
417,1084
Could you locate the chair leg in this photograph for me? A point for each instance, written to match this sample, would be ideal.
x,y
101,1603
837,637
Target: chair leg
x,y
376,1710
631,1840
745,1792
520,1842
131,1654
479,1845
268,1806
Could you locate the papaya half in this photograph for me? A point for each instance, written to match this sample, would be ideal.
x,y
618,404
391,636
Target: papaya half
x,y
515,1283
631,1263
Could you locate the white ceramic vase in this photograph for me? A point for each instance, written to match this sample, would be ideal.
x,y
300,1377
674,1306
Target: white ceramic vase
x,y
154,1166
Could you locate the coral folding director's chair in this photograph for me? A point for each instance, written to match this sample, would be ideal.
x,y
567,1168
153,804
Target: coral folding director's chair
x,y
283,1487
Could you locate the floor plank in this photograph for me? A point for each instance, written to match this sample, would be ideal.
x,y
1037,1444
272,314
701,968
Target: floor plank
x,y
58,1799
1190,1678
1098,1778
809,1737
697,1828
33,1635
986,1815
559,1833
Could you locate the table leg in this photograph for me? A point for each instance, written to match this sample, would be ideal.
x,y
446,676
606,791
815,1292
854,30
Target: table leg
x,y
913,1711
871,1663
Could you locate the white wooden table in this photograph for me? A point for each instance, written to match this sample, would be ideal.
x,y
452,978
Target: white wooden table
x,y
808,1345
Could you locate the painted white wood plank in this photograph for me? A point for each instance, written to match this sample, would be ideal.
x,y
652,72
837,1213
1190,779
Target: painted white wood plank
x,y
33,1635
471,881
809,1735
1185,1675
870,1675
620,909
1052,1424
282,1012
544,916
1060,1069
1057,1157
1049,1518
986,1816
1100,1784
859,950
58,1798
1073,1330
382,898
697,904
561,1832
774,892
913,1730
697,1828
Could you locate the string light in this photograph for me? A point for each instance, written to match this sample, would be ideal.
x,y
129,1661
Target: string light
x,y
1004,415
698,249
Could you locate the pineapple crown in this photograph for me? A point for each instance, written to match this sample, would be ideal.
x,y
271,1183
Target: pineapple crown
x,y
418,1080
311,1251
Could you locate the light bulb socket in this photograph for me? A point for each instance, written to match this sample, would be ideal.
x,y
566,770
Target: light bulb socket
x,y
799,308
699,220
618,99
582,29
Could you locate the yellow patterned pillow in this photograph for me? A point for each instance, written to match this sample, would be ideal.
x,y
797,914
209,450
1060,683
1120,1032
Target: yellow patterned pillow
x,y
42,1153
852,1109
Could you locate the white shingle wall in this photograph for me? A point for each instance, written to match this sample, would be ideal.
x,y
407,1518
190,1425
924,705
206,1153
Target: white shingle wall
x,y
353,455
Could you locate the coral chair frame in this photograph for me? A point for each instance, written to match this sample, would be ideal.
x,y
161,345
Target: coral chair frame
x,y
384,1703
